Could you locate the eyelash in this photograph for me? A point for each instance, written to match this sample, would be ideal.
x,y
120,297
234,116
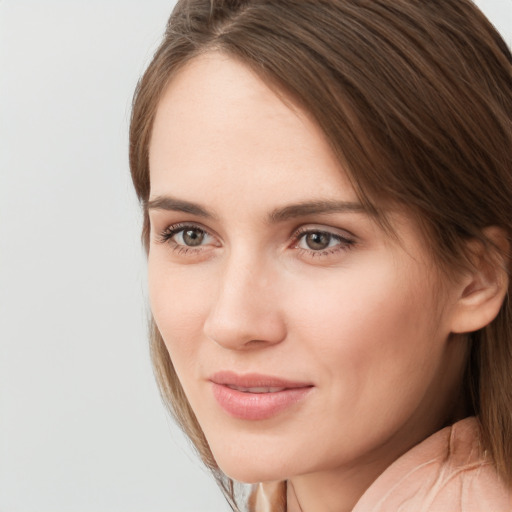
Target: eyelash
x,y
166,237
344,242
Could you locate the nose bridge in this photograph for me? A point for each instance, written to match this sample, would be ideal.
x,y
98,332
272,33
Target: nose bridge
x,y
245,309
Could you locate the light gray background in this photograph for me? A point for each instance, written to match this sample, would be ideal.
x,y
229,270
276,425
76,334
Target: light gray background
x,y
81,424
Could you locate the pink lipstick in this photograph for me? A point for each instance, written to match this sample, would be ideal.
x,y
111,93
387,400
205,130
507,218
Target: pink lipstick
x,y
256,397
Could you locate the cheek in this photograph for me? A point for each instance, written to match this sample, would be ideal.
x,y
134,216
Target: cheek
x,y
369,326
179,307
363,337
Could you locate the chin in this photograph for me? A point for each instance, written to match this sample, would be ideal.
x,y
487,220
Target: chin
x,y
250,471
248,475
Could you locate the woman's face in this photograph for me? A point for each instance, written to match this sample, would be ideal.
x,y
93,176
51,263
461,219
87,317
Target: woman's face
x,y
306,339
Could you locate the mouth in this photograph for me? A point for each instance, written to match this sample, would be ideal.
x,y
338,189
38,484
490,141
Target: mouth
x,y
255,390
256,397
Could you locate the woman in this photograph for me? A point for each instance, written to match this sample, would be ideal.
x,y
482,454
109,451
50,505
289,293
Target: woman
x,y
326,190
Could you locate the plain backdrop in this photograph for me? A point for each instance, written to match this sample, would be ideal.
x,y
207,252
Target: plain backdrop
x,y
82,428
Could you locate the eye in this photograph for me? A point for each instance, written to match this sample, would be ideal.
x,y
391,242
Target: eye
x,y
320,242
316,241
186,237
191,237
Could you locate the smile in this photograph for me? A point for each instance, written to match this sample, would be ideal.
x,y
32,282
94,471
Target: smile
x,y
256,397
256,390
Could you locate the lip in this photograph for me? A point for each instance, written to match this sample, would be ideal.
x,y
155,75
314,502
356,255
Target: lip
x,y
254,396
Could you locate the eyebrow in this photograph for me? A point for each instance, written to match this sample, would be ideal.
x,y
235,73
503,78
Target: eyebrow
x,y
315,208
282,214
178,205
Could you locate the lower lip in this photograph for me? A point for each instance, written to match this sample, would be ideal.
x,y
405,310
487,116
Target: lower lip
x,y
257,406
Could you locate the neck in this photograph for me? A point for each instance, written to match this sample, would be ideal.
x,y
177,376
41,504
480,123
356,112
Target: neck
x,y
334,491
340,488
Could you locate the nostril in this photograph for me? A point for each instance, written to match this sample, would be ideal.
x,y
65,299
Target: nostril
x,y
246,332
256,342
243,314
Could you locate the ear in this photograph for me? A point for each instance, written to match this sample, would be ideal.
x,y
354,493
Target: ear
x,y
484,287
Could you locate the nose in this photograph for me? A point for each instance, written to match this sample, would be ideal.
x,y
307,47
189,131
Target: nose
x,y
246,312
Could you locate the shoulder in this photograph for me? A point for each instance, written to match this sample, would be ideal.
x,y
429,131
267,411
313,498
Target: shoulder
x,y
448,471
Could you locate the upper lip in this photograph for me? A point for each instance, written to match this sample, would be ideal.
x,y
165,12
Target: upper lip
x,y
254,380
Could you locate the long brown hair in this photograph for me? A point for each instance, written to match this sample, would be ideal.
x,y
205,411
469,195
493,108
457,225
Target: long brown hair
x,y
415,98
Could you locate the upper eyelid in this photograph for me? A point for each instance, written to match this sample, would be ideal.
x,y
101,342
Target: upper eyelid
x,y
344,239
295,234
306,228
181,226
331,230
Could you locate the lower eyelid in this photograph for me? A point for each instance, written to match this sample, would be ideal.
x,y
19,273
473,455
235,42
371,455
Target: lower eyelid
x,y
337,250
168,235
185,249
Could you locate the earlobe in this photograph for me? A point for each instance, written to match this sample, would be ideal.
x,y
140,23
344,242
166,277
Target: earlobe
x,y
484,288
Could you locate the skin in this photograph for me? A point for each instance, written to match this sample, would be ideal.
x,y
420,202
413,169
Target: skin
x,y
365,321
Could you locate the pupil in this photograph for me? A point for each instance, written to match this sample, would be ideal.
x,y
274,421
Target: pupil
x,y
193,237
318,241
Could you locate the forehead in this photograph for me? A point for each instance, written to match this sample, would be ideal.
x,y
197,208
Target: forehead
x,y
219,125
